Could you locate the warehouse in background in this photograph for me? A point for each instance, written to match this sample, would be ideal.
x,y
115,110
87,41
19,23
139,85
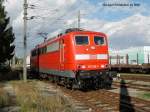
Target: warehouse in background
x,y
134,56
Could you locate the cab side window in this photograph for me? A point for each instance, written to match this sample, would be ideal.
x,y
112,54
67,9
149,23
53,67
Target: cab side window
x,y
99,40
81,40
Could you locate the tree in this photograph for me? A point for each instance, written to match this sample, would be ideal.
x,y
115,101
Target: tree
x,y
6,36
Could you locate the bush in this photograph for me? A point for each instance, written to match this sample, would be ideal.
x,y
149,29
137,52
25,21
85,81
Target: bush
x,y
4,68
10,75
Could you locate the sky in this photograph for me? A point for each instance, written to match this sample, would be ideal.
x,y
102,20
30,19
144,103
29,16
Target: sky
x,y
125,22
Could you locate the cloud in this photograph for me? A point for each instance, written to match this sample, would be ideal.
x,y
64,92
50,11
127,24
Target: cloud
x,y
134,32
129,32
13,7
53,16
47,13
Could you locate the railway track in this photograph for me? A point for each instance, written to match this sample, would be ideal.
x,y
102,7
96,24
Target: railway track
x,y
134,86
136,77
106,101
132,79
103,101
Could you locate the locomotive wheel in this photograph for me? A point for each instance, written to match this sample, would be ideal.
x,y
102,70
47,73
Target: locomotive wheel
x,y
108,83
51,79
96,84
68,83
81,83
77,84
74,85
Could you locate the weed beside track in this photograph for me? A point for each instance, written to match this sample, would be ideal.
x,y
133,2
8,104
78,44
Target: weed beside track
x,y
33,96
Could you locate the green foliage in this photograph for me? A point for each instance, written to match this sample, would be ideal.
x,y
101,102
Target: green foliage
x,y
146,95
6,36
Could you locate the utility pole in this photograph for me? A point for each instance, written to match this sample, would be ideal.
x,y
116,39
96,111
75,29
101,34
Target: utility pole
x,y
79,19
137,60
148,58
25,5
13,61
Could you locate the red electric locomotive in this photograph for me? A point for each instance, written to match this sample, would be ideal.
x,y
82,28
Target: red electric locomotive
x,y
76,58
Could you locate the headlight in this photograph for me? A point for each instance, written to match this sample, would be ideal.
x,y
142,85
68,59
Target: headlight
x,y
83,66
102,66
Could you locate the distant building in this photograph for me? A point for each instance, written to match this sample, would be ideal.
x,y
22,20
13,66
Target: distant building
x,y
137,55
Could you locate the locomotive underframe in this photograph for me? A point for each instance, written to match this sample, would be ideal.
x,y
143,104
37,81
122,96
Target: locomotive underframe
x,y
94,79
87,79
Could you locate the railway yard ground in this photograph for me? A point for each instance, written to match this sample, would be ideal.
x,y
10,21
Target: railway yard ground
x,y
33,96
129,93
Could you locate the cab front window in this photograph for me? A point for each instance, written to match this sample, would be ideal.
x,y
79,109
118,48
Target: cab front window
x,y
99,40
81,40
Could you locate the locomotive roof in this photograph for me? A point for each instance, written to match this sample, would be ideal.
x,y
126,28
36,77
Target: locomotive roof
x,y
68,31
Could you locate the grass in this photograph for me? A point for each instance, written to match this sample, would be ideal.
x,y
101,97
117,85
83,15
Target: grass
x,y
146,95
4,98
31,99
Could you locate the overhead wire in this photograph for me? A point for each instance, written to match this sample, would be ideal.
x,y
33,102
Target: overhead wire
x,y
56,19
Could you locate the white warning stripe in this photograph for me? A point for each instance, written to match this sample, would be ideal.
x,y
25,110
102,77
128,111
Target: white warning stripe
x,y
102,56
82,57
89,56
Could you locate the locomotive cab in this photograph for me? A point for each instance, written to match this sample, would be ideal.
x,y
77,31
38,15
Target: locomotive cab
x,y
91,52
91,58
